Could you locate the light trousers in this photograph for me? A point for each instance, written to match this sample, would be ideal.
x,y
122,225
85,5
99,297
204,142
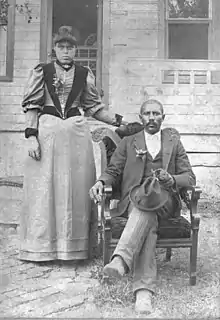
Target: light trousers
x,y
137,246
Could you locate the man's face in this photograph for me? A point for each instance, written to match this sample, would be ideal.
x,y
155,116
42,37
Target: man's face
x,y
152,117
65,52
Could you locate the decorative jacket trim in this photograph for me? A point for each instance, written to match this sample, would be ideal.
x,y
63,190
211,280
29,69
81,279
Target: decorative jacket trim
x,y
79,82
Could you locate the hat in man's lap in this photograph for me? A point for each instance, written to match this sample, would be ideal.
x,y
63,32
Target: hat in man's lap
x,y
149,196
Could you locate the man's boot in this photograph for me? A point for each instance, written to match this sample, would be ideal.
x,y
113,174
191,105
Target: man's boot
x,y
143,302
116,268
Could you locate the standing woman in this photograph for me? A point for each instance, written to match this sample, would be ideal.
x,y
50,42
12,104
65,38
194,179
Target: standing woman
x,y
60,168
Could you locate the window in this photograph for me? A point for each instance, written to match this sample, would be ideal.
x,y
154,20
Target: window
x,y
7,25
83,17
188,29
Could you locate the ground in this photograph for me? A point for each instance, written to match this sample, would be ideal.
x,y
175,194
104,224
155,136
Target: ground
x,y
77,290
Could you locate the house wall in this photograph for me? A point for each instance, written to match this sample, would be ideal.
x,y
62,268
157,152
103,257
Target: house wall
x,y
26,56
136,73
12,142
133,62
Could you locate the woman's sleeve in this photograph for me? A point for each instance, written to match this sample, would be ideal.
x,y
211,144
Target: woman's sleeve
x,y
31,119
34,90
91,100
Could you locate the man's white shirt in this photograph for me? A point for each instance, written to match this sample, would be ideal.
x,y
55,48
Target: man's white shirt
x,y
153,142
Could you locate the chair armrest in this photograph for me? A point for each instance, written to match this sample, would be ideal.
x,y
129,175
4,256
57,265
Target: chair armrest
x,y
108,191
194,216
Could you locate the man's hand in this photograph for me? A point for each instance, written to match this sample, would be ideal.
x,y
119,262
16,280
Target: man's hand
x,y
165,178
34,150
96,192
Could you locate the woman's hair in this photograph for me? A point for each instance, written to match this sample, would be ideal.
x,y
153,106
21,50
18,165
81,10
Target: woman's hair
x,y
65,34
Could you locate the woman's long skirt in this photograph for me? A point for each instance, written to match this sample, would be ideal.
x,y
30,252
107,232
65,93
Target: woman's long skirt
x,y
56,214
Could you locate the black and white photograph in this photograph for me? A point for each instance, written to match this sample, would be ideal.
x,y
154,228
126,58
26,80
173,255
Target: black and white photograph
x,y
110,159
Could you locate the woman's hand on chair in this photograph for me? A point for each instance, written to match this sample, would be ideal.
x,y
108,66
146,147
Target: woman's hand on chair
x,y
96,191
34,150
124,123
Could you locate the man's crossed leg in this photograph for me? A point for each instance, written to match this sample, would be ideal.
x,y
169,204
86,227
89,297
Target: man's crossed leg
x,y
136,249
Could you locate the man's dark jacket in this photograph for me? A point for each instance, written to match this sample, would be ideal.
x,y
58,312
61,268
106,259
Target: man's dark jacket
x,y
125,164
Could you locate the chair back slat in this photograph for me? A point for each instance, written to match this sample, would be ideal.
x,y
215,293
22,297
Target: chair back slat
x,y
108,141
104,161
100,133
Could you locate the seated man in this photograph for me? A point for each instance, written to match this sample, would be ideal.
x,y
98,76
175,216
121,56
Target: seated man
x,y
151,152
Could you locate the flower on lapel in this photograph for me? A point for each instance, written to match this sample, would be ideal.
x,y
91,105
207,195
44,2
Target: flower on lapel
x,y
57,83
140,153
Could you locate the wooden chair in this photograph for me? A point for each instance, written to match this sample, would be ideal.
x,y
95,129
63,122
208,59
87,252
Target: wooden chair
x,y
108,242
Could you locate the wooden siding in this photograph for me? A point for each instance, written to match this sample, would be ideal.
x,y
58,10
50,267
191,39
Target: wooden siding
x,y
132,68
26,51
191,99
12,142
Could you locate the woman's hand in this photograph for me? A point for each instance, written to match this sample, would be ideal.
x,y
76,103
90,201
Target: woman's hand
x,y
124,123
34,150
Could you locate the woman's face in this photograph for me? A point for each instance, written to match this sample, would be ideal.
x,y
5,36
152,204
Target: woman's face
x,y
65,51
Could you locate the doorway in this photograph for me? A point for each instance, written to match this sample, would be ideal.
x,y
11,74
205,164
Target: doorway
x,y
85,18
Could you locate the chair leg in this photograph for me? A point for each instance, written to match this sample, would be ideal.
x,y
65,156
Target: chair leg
x,y
168,254
193,258
106,245
93,233
100,241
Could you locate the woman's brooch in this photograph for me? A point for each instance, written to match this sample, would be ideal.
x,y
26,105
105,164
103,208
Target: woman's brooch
x,y
57,83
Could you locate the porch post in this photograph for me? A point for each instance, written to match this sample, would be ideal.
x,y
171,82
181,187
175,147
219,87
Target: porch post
x,y
106,49
46,30
99,45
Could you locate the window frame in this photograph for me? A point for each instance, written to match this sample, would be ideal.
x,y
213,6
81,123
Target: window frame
x,y
8,77
168,21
